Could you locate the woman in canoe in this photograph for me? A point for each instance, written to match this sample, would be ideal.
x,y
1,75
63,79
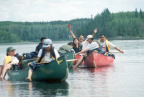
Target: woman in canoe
x,y
7,61
76,44
46,54
81,38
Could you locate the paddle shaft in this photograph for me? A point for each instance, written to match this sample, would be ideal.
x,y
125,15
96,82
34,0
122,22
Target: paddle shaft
x,y
114,52
71,60
66,60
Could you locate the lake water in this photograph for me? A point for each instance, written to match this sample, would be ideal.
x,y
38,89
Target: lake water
x,y
124,79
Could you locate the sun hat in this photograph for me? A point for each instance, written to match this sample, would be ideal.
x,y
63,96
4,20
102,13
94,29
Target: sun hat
x,y
47,42
89,36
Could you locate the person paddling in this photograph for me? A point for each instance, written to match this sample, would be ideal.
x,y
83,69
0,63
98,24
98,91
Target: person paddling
x,y
76,44
46,54
8,61
106,45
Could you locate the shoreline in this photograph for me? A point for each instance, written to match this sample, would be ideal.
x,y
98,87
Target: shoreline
x,y
116,38
126,38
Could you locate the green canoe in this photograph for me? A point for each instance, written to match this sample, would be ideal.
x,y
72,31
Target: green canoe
x,y
67,51
69,55
53,71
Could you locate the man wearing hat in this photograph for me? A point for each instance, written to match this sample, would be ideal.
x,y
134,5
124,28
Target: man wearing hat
x,y
46,54
91,46
7,61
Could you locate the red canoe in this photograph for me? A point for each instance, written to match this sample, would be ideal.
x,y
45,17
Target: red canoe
x,y
95,59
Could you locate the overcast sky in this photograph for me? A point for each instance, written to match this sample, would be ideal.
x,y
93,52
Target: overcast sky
x,y
50,10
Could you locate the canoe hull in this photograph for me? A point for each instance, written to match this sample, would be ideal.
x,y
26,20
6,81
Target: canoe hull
x,y
47,72
69,55
98,60
95,60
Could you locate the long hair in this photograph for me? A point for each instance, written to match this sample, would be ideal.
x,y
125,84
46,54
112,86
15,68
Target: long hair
x,y
74,43
50,51
79,44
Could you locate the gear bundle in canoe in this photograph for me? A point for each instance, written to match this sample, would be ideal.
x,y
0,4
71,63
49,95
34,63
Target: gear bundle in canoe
x,y
68,52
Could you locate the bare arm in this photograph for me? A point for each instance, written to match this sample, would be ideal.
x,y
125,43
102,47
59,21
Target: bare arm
x,y
73,36
37,60
119,50
83,51
95,31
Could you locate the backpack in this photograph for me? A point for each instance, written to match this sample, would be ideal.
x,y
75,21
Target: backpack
x,y
30,55
65,49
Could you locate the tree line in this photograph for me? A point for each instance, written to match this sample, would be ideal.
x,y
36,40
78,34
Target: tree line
x,y
125,24
33,31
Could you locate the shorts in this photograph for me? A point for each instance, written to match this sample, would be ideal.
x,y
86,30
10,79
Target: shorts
x,y
84,56
34,65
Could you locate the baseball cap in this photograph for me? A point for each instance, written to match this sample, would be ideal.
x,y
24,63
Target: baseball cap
x,y
47,42
89,36
10,49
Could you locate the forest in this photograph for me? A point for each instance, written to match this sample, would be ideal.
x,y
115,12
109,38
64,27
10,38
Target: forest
x,y
113,25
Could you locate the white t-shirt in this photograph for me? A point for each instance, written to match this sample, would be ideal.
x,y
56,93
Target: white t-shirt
x,y
92,46
47,57
14,60
84,44
103,44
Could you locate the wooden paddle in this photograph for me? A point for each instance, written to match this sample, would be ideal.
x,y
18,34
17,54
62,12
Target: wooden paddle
x,y
66,60
71,60
114,52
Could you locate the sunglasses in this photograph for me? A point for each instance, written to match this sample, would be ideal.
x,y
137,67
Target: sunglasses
x,y
101,37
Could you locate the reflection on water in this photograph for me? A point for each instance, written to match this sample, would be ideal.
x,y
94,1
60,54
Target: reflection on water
x,y
90,81
35,89
7,88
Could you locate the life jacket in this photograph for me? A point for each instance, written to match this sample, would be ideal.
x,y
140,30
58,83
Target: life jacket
x,y
107,46
7,59
43,54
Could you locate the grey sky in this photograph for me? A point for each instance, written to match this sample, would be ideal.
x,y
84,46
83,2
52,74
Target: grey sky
x,y
50,10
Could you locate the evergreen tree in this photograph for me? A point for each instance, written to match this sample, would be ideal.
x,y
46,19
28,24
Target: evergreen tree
x,y
136,13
